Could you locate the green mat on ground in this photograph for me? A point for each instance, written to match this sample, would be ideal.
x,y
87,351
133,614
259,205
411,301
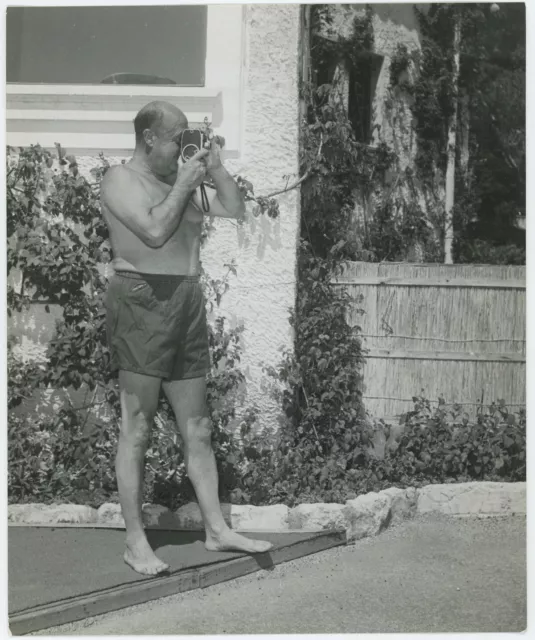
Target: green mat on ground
x,y
51,565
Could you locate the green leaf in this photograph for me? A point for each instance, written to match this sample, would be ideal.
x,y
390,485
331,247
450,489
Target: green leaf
x,y
507,441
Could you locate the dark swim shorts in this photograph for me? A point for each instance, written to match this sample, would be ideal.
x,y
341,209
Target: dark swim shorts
x,y
156,325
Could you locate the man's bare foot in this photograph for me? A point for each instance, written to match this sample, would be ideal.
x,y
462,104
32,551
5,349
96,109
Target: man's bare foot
x,y
229,540
142,559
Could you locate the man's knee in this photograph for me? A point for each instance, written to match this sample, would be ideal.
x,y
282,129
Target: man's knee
x,y
200,430
136,425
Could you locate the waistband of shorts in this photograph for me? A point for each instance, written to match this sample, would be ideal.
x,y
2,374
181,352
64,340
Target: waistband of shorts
x,y
156,277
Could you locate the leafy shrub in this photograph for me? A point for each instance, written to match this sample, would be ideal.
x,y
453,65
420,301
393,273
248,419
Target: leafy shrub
x,y
439,445
483,252
57,459
444,445
67,458
57,243
54,461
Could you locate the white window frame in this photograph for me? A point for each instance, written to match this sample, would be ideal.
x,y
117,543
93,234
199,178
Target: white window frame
x,y
78,105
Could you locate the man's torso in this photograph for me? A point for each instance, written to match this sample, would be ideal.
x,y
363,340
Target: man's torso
x,y
178,256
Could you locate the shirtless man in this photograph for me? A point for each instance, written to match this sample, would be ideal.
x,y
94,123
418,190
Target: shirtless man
x,y
156,318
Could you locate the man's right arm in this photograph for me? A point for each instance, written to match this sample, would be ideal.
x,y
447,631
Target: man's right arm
x,y
124,196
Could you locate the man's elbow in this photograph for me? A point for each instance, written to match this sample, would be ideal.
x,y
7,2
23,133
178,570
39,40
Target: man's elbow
x,y
240,210
154,238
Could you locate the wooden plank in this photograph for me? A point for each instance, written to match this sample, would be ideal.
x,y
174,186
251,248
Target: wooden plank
x,y
449,403
367,281
244,566
326,540
123,596
233,569
466,356
427,270
80,607
395,336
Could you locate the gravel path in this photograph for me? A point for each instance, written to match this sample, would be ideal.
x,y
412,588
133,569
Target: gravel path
x,y
428,575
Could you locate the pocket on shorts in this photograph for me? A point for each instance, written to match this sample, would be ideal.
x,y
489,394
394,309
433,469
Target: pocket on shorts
x,y
138,292
140,303
139,286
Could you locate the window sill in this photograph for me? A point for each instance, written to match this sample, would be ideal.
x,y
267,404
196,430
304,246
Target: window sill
x,y
88,119
106,91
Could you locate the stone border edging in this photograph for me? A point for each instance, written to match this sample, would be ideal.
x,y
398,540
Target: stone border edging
x,y
362,517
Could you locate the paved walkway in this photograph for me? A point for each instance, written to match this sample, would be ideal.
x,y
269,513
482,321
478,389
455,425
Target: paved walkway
x,y
432,575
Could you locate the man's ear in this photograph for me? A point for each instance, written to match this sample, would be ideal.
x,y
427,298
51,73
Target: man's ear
x,y
148,136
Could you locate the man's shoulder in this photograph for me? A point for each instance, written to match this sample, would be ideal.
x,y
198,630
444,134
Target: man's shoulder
x,y
118,176
118,172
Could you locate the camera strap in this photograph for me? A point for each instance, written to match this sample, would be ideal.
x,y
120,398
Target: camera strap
x,y
204,200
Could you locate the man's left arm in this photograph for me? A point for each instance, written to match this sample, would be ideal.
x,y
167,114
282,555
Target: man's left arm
x,y
226,200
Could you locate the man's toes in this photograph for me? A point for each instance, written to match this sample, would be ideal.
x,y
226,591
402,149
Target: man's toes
x,y
154,570
162,568
261,546
144,567
232,541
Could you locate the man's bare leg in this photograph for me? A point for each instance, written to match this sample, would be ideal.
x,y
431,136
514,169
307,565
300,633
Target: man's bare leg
x,y
139,401
188,400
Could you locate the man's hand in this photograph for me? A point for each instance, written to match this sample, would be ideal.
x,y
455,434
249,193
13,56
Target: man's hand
x,y
193,171
213,160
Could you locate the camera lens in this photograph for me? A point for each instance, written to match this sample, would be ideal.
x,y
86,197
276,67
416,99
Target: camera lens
x,y
189,151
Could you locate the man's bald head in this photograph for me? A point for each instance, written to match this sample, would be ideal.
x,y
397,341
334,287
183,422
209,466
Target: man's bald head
x,y
158,116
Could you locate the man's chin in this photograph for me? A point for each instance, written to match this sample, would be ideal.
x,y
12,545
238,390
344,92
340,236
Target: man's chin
x,y
169,178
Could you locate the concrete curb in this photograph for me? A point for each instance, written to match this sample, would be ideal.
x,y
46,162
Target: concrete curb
x,y
362,517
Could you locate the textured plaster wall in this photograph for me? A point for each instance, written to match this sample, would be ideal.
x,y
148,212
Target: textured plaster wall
x,y
262,293
265,250
393,25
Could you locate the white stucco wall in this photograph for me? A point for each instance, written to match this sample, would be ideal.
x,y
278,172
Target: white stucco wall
x,y
265,250
265,149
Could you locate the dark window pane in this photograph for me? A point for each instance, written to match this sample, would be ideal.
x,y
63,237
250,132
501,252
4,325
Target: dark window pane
x,y
87,45
362,84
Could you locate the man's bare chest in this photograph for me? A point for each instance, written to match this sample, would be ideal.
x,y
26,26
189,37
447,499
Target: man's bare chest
x,y
158,192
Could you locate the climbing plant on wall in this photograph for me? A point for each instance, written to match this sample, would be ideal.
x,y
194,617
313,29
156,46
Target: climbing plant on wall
x,y
490,125
385,217
403,208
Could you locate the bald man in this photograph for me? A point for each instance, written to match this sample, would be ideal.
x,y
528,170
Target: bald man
x,y
156,318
